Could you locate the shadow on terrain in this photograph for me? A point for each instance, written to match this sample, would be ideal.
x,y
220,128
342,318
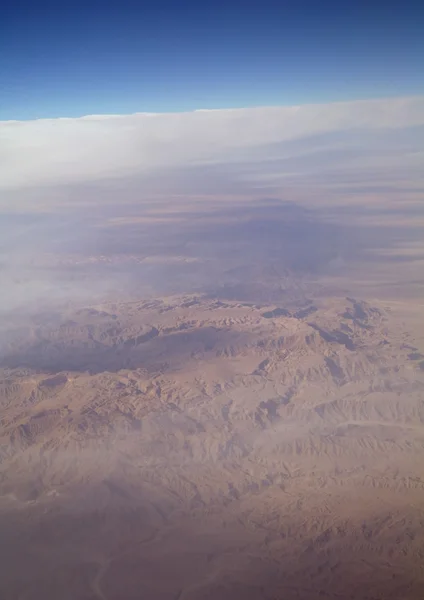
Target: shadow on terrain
x,y
134,552
151,350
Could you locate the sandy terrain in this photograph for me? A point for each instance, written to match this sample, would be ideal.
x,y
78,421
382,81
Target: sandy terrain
x,y
192,448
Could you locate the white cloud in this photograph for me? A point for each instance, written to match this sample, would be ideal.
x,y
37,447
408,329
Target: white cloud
x,y
60,151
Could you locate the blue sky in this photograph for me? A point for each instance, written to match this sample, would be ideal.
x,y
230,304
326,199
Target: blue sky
x,y
61,59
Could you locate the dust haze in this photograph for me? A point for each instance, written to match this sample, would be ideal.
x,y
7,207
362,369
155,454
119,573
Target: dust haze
x,y
212,354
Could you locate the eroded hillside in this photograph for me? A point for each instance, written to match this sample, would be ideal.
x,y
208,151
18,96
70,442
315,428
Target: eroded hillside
x,y
192,448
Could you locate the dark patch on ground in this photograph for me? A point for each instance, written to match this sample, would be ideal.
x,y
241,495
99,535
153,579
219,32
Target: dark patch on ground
x,y
190,303
286,399
415,356
55,381
360,312
334,336
261,367
277,312
305,312
67,351
141,339
335,369
271,408
358,309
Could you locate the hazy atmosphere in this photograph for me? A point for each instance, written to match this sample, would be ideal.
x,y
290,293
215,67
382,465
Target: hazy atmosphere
x,y
191,202
211,317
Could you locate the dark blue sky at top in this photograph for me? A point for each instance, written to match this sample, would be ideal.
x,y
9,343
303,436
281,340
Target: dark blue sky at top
x,y
70,59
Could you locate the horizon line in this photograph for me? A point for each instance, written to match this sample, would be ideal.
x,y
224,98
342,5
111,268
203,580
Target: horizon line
x,y
107,116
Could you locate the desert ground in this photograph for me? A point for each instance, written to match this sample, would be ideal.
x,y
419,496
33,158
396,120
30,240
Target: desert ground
x,y
212,355
259,436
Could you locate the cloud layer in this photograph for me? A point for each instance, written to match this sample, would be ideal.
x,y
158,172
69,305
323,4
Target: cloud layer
x,y
56,151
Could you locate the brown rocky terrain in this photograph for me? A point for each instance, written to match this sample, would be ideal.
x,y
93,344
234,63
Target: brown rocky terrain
x,y
192,448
